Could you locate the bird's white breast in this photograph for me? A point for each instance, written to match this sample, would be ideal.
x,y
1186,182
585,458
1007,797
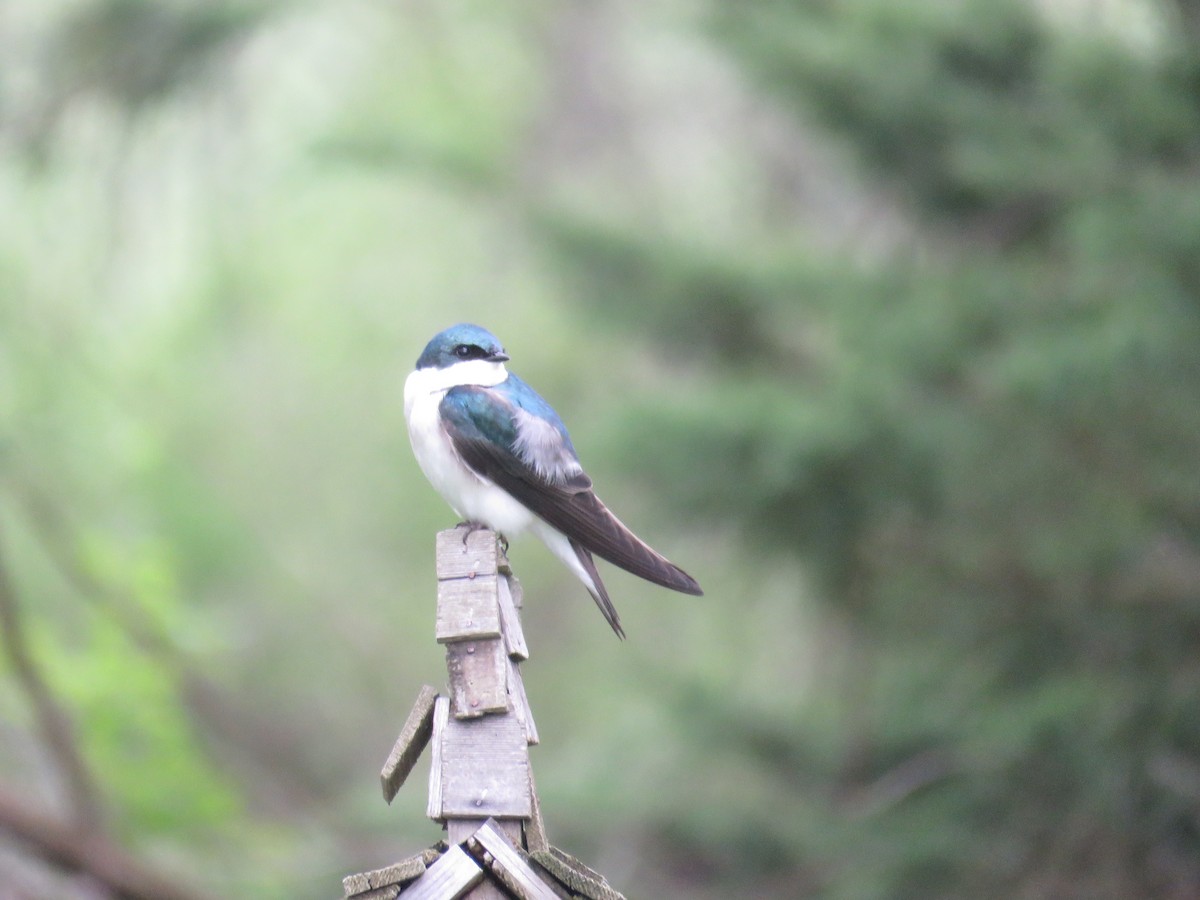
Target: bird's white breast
x,y
472,496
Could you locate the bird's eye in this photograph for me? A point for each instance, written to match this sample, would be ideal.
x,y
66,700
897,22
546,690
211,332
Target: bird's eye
x,y
463,351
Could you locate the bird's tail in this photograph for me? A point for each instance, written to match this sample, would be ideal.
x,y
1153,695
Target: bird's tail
x,y
580,562
597,589
610,539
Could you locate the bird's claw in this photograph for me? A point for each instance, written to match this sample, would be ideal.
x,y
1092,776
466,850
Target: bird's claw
x,y
471,528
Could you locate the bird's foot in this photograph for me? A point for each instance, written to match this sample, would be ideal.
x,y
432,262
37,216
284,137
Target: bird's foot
x,y
471,528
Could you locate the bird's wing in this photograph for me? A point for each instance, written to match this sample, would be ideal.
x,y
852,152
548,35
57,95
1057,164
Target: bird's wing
x,y
596,588
515,440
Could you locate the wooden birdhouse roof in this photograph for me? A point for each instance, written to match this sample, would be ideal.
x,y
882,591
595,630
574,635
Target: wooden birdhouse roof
x,y
487,864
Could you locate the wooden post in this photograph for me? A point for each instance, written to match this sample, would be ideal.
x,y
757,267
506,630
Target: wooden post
x,y
480,783
482,740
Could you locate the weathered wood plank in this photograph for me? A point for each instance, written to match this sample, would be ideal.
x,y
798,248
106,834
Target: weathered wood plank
x,y
459,830
441,715
389,892
488,889
519,703
478,677
464,556
413,737
467,609
447,879
518,592
575,875
510,622
508,864
395,874
484,768
355,884
535,828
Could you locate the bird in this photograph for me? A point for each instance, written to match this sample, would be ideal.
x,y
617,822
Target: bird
x,y
499,454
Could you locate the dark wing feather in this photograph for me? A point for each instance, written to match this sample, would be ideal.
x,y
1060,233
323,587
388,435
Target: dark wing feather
x,y
486,444
600,594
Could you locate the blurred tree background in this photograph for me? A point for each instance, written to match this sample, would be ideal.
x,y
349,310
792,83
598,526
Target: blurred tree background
x,y
881,318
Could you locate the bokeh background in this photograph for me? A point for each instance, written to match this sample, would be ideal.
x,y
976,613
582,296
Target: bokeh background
x,y
881,318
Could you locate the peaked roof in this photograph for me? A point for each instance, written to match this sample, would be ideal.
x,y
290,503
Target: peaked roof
x,y
488,855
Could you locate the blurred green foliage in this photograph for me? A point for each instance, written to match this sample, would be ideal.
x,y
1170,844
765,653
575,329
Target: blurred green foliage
x,y
984,445
880,318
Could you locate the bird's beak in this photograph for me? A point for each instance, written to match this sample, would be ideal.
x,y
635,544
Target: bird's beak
x,y
498,356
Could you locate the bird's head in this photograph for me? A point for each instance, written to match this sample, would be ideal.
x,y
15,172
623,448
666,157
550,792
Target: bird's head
x,y
465,354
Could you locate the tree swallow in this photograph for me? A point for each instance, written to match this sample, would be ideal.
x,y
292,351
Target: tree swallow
x,y
501,457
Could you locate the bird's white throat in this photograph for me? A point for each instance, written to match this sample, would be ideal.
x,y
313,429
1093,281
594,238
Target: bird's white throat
x,y
434,381
471,495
